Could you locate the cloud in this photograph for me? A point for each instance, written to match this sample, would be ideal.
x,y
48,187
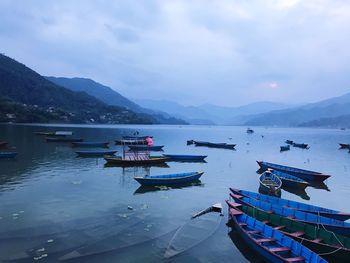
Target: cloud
x,y
191,51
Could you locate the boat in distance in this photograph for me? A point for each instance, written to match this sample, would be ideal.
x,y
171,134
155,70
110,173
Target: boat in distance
x,y
284,148
169,179
308,208
90,144
301,145
289,180
146,147
118,160
215,145
7,154
95,153
270,183
333,247
250,131
63,139
290,142
184,158
55,133
330,224
131,142
306,175
270,243
344,146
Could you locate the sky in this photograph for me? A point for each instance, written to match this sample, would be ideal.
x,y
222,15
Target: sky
x,y
223,52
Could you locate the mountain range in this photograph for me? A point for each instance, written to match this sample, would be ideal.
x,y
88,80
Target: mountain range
x,y
26,96
211,114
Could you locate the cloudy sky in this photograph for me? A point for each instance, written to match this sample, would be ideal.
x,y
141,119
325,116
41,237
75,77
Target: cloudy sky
x,y
222,52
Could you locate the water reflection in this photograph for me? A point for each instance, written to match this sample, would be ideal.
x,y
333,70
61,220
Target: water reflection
x,y
146,188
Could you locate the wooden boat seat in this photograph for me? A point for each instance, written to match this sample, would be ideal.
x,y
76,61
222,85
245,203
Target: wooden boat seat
x,y
279,227
242,224
318,240
262,240
290,217
265,221
297,234
296,259
279,249
253,231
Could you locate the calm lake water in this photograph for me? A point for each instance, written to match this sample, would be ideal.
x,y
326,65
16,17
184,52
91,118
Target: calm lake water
x,y
52,202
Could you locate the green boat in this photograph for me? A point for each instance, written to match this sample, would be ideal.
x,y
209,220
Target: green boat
x,y
334,247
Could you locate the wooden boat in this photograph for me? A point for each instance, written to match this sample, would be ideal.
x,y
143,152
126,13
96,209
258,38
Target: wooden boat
x,y
334,247
193,233
329,224
285,148
63,139
185,158
271,244
118,160
290,180
3,144
289,142
90,144
7,154
344,146
169,179
95,153
270,183
326,212
215,145
301,145
249,131
146,147
301,173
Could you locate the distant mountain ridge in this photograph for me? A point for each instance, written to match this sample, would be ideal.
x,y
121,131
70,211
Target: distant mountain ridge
x,y
22,86
309,114
211,114
111,97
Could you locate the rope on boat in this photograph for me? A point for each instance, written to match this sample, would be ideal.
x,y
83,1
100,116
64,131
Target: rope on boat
x,y
332,252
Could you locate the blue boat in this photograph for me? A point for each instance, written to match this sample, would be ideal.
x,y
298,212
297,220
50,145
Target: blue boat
x,y
169,179
184,158
7,154
295,205
95,153
329,224
270,243
146,147
90,144
289,180
285,148
303,174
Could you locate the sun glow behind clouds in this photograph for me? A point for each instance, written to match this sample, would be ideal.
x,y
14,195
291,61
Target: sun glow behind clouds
x,y
190,51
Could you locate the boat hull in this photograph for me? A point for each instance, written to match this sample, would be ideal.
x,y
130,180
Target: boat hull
x,y
169,181
63,139
94,153
117,160
145,148
300,173
215,145
7,155
174,157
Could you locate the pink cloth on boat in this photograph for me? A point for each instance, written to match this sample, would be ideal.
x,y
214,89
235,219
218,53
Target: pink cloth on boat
x,y
149,141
